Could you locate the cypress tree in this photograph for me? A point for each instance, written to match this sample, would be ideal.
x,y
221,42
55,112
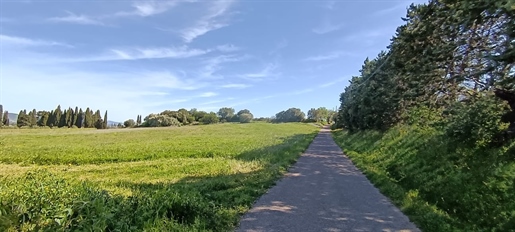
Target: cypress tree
x,y
88,119
57,116
23,119
69,118
105,120
62,121
75,116
1,115
51,119
6,118
80,119
33,118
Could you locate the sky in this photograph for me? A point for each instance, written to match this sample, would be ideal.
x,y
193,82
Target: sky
x,y
142,57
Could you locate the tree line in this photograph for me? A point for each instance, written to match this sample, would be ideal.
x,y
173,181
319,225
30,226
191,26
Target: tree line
x,y
69,118
450,65
226,114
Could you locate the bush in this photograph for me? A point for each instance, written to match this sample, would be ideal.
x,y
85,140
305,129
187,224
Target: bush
x,y
210,118
245,118
475,123
154,120
129,123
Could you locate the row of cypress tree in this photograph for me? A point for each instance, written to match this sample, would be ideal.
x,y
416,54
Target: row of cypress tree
x,y
59,118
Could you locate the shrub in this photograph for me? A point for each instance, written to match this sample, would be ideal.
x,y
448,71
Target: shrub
x,y
129,123
476,122
245,118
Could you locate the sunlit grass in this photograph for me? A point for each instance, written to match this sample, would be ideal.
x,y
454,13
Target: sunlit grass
x,y
224,168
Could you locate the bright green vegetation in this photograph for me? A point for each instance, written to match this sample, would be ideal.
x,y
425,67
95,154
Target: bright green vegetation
x,y
162,179
440,186
431,120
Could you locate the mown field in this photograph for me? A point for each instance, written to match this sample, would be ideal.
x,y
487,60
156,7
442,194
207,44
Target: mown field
x,y
196,178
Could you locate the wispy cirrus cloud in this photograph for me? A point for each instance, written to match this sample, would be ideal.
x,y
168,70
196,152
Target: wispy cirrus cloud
x,y
330,56
267,71
235,86
214,64
149,8
208,94
213,20
20,41
76,19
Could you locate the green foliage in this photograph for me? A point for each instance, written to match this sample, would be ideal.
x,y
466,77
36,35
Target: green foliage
x,y
290,115
447,51
477,122
210,118
226,114
245,118
187,183
439,187
23,119
129,123
160,120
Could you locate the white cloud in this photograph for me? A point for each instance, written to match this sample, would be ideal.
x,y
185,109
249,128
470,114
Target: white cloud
x,y
213,20
166,80
326,26
208,94
227,48
148,8
143,53
216,101
235,86
267,71
13,40
77,19
213,65
330,56
333,82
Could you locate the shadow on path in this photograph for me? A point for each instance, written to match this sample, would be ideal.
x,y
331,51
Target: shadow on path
x,y
324,191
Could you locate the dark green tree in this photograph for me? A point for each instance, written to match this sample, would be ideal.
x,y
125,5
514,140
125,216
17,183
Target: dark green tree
x,y
80,119
225,114
105,120
23,119
88,119
6,118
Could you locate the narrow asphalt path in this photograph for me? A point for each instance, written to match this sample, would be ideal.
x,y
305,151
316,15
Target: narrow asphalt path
x,y
324,191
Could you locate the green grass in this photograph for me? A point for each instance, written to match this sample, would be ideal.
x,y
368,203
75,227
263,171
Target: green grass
x,y
439,185
198,178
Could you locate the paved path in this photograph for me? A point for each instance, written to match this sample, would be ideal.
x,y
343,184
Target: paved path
x,y
324,191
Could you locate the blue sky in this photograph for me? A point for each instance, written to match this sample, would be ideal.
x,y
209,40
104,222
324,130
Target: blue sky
x,y
141,57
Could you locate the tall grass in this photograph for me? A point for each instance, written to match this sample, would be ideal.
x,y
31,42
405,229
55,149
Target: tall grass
x,y
439,185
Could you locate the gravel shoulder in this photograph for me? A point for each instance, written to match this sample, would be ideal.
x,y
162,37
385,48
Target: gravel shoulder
x,y
324,191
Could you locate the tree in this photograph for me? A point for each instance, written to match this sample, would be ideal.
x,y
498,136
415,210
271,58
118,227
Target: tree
x,y
159,120
290,115
245,118
210,118
225,114
57,116
129,123
62,121
80,119
88,119
23,119
1,115
43,118
105,120
6,118
33,118
75,116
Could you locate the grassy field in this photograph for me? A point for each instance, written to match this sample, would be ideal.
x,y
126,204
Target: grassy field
x,y
179,179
